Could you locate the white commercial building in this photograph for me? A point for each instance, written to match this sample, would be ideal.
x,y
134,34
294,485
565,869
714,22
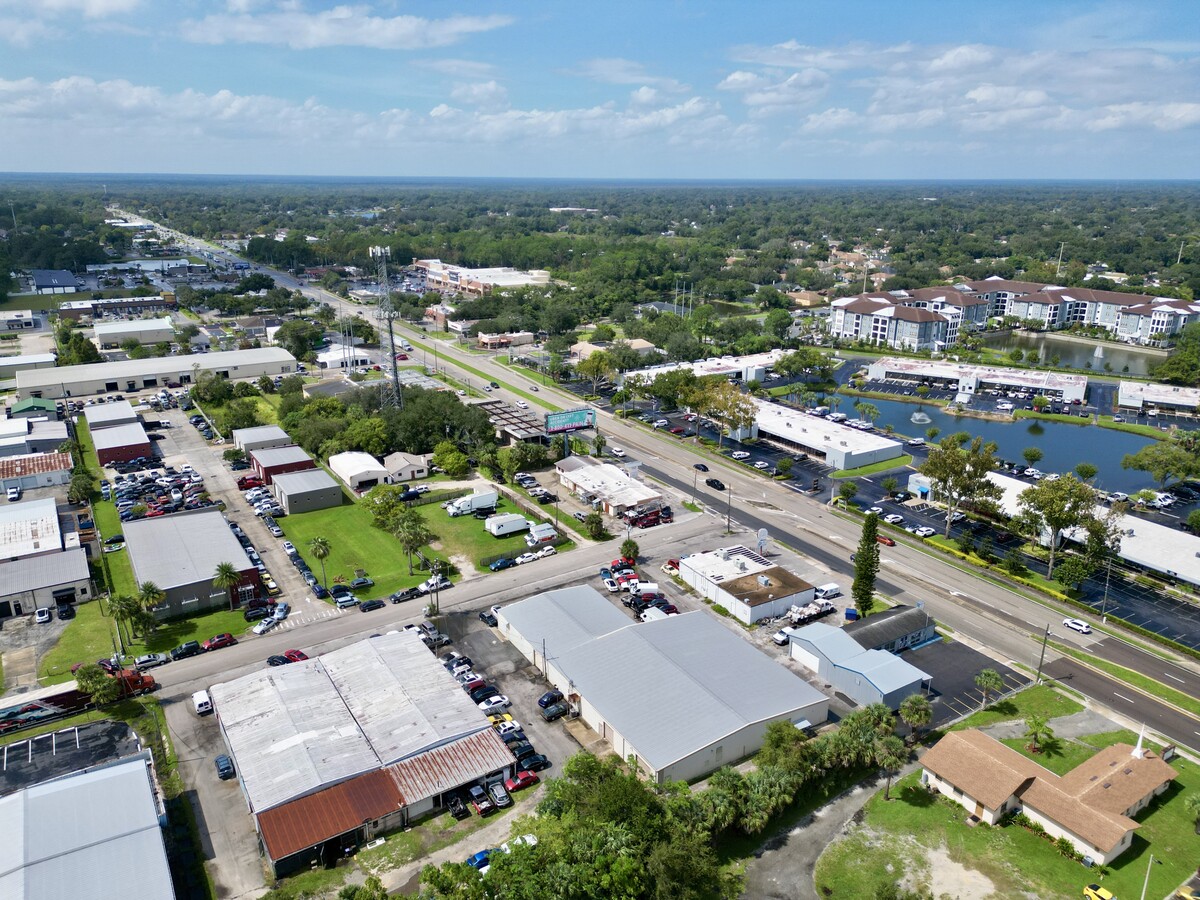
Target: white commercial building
x,y
30,528
713,693
745,583
132,375
144,331
359,471
611,486
839,444
11,365
261,437
299,492
969,379
343,356
1138,395
450,279
746,368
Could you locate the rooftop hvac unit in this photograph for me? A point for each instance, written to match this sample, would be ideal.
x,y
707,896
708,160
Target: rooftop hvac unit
x,y
741,564
764,580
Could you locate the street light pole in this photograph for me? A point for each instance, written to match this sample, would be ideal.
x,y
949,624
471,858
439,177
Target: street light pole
x,y
1042,659
1107,576
1146,883
695,475
728,505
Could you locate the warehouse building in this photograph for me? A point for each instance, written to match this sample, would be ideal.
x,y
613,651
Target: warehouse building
x,y
109,335
132,375
737,368
263,437
894,630
839,445
106,415
11,365
54,281
745,583
359,471
300,492
1142,397
372,736
97,833
712,696
20,320
603,484
121,443
23,436
968,380
35,470
30,528
34,408
180,554
272,461
43,581
77,310
865,676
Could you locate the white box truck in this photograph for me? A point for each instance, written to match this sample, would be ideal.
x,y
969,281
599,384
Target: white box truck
x,y
505,524
468,504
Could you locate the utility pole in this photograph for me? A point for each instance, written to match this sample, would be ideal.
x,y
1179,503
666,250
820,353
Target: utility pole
x,y
1045,638
728,505
1062,245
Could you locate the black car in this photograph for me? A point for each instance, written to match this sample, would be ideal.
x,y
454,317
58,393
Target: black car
x,y
549,698
484,693
155,437
224,767
715,483
65,611
486,617
513,737
521,748
253,615
406,594
369,605
190,648
555,711
457,808
700,467
535,763
278,661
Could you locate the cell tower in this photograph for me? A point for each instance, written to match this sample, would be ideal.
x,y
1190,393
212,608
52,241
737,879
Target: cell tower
x,y
386,313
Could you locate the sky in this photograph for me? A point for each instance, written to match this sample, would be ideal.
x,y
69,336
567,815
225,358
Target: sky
x,y
653,89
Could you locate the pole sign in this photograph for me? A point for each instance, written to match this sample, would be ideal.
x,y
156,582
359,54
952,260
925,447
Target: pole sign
x,y
570,420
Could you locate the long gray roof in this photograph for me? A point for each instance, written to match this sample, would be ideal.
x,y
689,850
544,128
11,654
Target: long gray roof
x,y
886,626
33,573
707,684
308,480
279,456
95,834
160,366
104,415
182,549
564,619
119,436
258,433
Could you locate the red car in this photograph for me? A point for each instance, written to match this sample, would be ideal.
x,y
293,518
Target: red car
x,y
678,429
401,356
217,641
520,780
885,540
249,481
295,655
623,562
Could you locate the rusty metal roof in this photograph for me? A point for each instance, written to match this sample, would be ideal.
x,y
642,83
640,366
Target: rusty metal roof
x,y
450,766
34,464
314,819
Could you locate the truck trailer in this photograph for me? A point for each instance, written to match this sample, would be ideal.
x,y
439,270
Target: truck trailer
x,y
505,524
472,502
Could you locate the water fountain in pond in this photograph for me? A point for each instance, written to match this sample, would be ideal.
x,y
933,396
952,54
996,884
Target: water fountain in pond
x,y
920,418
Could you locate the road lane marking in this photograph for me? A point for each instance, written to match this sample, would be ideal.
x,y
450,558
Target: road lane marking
x,y
1176,677
1123,697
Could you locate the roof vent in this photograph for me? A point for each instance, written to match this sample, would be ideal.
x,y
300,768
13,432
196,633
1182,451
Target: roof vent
x,y
764,580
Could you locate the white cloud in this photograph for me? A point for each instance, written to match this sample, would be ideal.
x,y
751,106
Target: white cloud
x,y
625,71
740,81
830,120
92,9
644,96
23,32
459,68
1159,116
342,26
486,93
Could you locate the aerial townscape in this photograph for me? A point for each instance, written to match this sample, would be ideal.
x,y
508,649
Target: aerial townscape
x,y
510,451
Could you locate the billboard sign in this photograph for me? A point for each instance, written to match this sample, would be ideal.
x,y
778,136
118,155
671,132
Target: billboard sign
x,y
570,420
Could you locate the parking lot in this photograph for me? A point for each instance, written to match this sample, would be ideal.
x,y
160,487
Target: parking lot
x,y
952,667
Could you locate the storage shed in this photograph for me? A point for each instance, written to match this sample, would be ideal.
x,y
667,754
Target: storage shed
x,y
262,437
299,492
272,461
360,471
121,443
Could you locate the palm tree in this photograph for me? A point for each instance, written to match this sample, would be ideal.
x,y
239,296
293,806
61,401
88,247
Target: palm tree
x,y
1036,729
1191,805
150,595
988,681
319,548
226,578
890,756
413,533
125,609
916,712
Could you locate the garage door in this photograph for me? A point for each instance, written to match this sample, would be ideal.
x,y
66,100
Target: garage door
x,y
806,659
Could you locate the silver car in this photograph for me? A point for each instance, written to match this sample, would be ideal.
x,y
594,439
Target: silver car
x,y
151,661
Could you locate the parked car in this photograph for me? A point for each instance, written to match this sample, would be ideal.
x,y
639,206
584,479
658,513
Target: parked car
x,y
457,808
526,558
521,780
151,661
295,655
496,703
277,661
224,767
536,763
480,801
217,641
555,711
502,563
264,626
255,613
499,795
369,605
186,649
549,698
893,519
487,618
406,594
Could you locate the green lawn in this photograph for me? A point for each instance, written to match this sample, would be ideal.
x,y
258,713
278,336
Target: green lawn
x,y
891,845
886,465
355,543
86,638
1132,427
1041,700
464,535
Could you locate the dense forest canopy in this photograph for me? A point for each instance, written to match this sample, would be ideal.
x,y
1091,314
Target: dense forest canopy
x,y
643,239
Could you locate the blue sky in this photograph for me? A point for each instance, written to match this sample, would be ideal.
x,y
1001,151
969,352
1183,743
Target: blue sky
x,y
654,89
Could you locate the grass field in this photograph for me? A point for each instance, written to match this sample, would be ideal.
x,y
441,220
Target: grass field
x,y
891,844
1040,700
464,535
886,465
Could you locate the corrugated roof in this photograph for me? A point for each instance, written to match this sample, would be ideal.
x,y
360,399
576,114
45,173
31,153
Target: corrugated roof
x,y
99,829
182,549
268,457
51,278
314,819
38,403
29,527
884,627
832,643
308,480
563,619
34,464
103,415
127,435
353,462
161,367
130,326
400,697
450,766
36,572
259,433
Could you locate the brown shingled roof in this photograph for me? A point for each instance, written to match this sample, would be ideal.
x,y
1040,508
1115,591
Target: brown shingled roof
x,y
981,766
1114,780
314,819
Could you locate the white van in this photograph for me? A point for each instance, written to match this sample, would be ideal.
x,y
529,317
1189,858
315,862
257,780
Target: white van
x,y
644,587
202,702
653,614
828,591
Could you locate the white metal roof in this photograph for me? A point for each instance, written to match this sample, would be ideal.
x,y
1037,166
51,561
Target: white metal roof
x,y
258,433
36,572
354,463
606,481
279,456
29,527
818,432
564,618
300,482
94,834
400,696
707,683
132,326
1138,394
102,415
1028,378
884,670
182,549
122,435
716,365
158,366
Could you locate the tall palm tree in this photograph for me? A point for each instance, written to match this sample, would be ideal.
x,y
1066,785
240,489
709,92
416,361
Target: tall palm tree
x,y
319,548
916,712
226,578
890,756
413,533
125,609
150,595
988,681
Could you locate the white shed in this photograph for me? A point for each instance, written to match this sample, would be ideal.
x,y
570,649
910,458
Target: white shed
x,y
360,471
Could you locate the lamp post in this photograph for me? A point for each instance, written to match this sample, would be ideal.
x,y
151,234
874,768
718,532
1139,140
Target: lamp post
x,y
1146,883
695,475
1042,659
728,506
1107,576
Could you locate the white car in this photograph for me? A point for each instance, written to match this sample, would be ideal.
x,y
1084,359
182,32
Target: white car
x,y
761,464
875,510
661,423
917,442
265,625
611,586
782,636
739,454
617,452
499,703
521,404
547,551
924,531
1117,497
893,519
1077,625
526,558
507,728
289,548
